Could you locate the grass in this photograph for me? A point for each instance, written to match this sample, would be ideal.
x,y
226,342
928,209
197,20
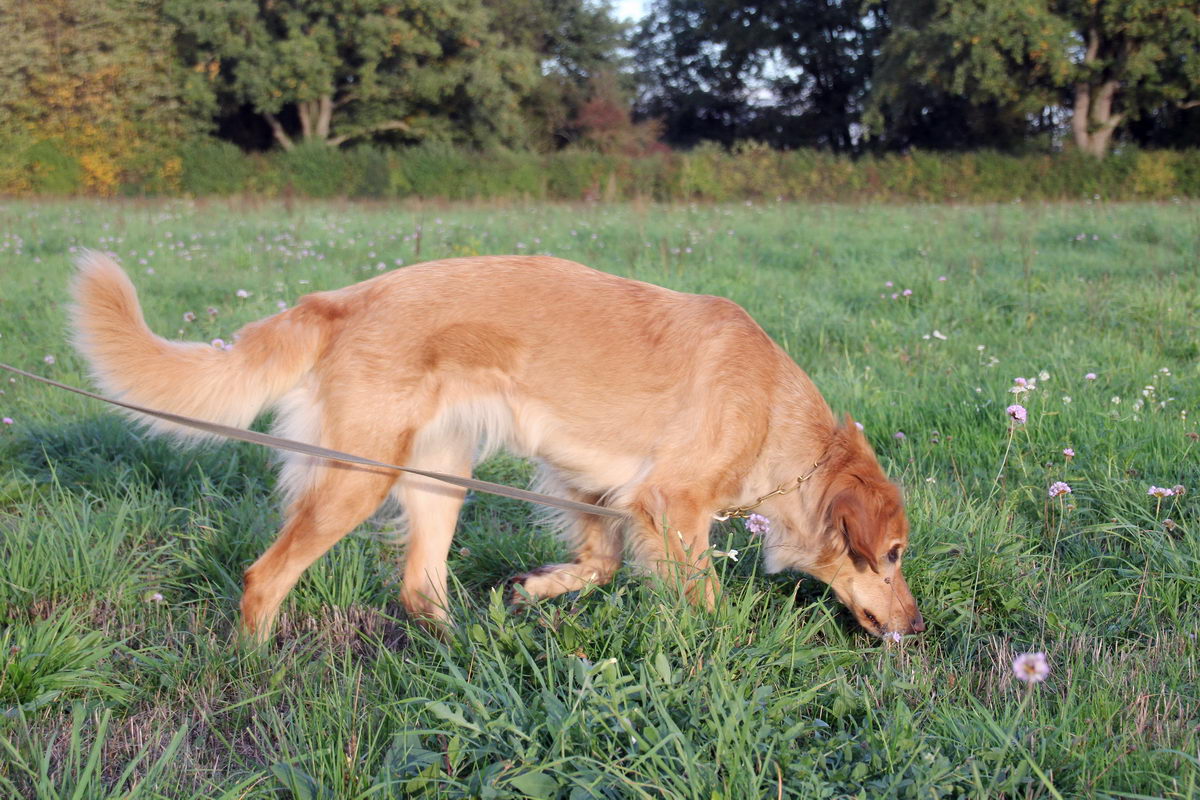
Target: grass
x,y
122,555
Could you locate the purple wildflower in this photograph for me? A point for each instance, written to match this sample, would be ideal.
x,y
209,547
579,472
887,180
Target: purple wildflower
x,y
758,525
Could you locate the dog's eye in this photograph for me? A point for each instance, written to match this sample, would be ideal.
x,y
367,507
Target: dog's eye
x,y
894,554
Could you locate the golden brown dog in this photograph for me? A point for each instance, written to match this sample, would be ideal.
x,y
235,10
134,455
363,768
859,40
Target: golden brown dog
x,y
663,405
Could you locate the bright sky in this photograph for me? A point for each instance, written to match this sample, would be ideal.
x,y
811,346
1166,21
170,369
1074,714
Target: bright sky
x,y
630,9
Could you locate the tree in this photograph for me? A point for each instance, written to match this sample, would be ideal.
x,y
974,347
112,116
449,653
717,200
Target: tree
x,y
575,42
93,81
1108,61
788,72
605,123
352,69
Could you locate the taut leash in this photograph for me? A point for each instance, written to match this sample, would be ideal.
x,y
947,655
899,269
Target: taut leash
x,y
279,443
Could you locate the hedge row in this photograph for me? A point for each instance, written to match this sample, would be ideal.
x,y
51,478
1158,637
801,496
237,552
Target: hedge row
x,y
211,167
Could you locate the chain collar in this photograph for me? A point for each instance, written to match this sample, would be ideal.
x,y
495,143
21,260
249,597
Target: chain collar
x,y
741,512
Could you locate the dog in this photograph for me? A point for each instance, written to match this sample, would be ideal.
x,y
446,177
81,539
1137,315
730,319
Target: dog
x,y
666,406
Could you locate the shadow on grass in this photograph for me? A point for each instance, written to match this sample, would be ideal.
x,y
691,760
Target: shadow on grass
x,y
97,453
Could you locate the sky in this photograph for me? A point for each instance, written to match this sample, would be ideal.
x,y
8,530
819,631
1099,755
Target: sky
x,y
630,9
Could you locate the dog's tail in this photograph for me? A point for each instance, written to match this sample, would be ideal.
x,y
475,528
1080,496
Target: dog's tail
x,y
131,363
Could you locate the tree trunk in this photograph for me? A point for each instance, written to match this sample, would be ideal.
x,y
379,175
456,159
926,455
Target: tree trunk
x,y
1093,121
324,116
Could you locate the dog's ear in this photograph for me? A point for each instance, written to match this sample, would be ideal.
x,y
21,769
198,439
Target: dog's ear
x,y
849,516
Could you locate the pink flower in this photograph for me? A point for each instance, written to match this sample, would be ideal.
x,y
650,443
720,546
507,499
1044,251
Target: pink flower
x,y
1031,667
1068,452
242,293
1058,487
49,359
941,277
888,284
1018,413
1160,492
7,420
899,435
907,293
1177,489
188,316
218,343
1091,376
757,524
1020,381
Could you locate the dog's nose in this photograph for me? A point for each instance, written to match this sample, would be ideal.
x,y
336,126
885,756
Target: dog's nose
x,y
918,623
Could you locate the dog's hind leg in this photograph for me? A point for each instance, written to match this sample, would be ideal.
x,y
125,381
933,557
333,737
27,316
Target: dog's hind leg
x,y
598,543
339,499
432,508
328,502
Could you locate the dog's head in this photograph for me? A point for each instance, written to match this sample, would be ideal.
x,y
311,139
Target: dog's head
x,y
851,533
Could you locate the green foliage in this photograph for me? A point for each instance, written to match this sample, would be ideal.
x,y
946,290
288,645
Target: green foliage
x,y
789,72
1108,60
212,167
51,169
707,173
93,87
355,69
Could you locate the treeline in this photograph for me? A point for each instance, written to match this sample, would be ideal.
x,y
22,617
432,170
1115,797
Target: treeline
x,y
559,99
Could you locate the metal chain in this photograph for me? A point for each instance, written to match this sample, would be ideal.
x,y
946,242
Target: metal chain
x,y
740,512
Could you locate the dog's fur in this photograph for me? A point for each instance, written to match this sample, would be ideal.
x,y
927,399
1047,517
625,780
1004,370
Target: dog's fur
x,y
664,405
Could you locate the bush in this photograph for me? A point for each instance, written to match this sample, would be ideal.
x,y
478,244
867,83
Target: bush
x,y
210,166
706,173
314,169
51,169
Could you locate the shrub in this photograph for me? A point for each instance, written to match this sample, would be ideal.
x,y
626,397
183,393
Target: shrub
x,y
210,166
51,169
709,172
314,169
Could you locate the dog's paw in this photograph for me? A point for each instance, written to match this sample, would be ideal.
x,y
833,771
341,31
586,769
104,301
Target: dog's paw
x,y
551,581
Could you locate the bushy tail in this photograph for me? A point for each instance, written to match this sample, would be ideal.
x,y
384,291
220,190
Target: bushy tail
x,y
131,363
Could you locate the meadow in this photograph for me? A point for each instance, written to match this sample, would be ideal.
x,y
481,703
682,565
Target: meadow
x,y
121,555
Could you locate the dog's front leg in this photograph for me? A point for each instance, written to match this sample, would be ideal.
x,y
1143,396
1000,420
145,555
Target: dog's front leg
x,y
671,537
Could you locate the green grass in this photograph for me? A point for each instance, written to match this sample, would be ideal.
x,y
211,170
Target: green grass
x,y
121,556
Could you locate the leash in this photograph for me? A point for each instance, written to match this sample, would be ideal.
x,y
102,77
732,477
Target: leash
x,y
279,443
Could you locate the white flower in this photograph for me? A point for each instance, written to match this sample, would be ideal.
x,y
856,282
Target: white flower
x,y
1031,667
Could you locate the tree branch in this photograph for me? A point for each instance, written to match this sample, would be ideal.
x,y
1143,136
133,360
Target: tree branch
x,y
390,125
280,134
